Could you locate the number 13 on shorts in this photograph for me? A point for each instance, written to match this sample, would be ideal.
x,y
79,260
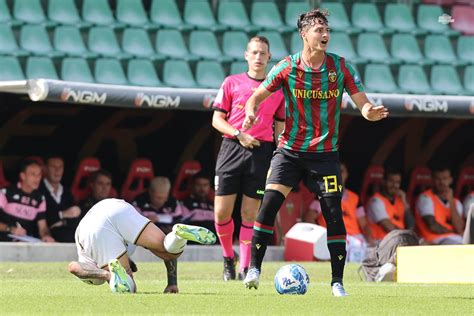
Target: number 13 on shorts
x,y
330,184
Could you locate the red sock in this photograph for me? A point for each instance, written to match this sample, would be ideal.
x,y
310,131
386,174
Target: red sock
x,y
246,231
225,232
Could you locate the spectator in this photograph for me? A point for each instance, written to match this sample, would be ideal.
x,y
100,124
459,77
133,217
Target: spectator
x,y
359,235
438,212
388,208
62,215
101,186
163,210
198,208
23,207
468,201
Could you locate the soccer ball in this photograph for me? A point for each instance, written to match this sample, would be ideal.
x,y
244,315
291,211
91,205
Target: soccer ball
x,y
291,279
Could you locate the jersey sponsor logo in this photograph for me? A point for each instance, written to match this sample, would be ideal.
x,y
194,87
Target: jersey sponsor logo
x,y
316,94
332,75
156,100
83,96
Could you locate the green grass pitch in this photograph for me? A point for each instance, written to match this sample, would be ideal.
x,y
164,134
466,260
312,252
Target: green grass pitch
x,y
48,289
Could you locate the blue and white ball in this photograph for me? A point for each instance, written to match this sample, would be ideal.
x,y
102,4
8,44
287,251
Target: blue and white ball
x,y
291,279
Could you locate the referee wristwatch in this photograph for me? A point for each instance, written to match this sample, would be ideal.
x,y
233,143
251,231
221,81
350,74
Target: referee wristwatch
x,y
236,133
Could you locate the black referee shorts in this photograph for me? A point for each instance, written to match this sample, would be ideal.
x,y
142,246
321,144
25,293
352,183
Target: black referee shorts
x,y
319,171
242,170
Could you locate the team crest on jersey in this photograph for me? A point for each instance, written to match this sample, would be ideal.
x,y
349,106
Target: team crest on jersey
x,y
332,75
300,74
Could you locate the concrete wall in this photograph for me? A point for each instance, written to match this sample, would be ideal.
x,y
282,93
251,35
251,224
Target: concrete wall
x,y
41,252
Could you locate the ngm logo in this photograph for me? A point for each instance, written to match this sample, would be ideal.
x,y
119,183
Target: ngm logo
x,y
83,96
156,100
426,105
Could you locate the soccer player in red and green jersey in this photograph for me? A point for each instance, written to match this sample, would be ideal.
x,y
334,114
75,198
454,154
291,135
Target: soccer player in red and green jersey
x,y
312,82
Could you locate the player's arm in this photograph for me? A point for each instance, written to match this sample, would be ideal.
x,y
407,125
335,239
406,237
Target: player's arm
x,y
434,226
251,107
387,225
219,122
278,129
44,231
456,219
369,111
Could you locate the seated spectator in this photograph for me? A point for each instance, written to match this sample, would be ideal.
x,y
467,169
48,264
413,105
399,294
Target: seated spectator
x,y
438,213
359,235
23,207
388,209
198,208
62,215
101,186
468,201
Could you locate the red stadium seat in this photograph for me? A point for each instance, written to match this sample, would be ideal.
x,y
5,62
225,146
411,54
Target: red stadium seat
x,y
463,19
440,2
3,181
465,182
80,188
182,184
420,180
138,178
372,181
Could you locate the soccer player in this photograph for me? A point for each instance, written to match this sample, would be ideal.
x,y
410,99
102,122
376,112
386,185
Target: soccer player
x,y
107,235
244,156
312,82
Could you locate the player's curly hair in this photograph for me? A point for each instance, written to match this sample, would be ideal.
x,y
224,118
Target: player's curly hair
x,y
312,17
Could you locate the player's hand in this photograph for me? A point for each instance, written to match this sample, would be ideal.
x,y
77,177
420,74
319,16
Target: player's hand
x,y
249,121
48,238
449,194
247,141
72,212
18,230
374,113
171,289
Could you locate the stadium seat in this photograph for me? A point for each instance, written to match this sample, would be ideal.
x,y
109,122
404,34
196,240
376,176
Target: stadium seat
x,y
177,73
40,67
68,40
398,17
296,43
80,184
198,13
379,78
412,79
232,14
338,19
277,45
10,69
171,44
204,45
99,12
102,40
463,21
465,48
234,44
372,182
420,180
141,72
441,2
135,41
209,74
465,183
266,16
293,11
469,80
182,184
438,48
34,39
132,12
238,67
138,178
76,69
8,44
109,71
3,181
341,45
372,47
427,18
5,15
65,12
30,11
405,47
165,13
366,17
445,80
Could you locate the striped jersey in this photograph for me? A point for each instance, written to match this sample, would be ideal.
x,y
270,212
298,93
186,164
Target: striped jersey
x,y
312,101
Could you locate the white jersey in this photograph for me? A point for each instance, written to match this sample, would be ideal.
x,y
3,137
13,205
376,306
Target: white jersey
x,y
110,229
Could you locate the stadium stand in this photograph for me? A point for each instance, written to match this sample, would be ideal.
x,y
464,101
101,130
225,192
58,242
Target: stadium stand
x,y
135,41
277,45
139,175
427,18
238,67
209,74
5,15
76,69
109,71
11,69
198,13
103,41
67,39
412,79
141,72
463,20
204,45
182,184
398,17
165,14
30,11
293,10
405,47
65,12
266,16
379,78
177,73
234,44
372,47
469,80
132,13
40,67
98,12
339,19
445,80
8,43
35,39
233,16
366,17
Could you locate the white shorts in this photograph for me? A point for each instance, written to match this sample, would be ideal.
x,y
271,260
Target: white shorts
x,y
107,230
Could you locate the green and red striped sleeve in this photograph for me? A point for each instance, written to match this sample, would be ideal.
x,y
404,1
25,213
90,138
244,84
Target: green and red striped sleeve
x,y
352,82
